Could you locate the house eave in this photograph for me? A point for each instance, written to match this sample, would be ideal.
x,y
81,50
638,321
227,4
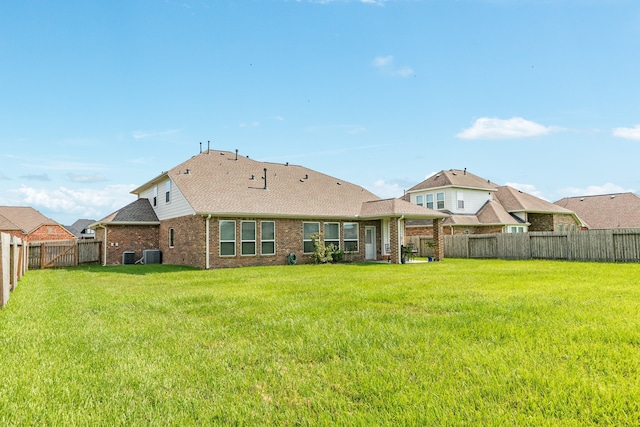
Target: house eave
x,y
160,178
107,223
445,187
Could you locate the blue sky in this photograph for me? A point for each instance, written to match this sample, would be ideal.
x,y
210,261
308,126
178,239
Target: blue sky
x,y
97,98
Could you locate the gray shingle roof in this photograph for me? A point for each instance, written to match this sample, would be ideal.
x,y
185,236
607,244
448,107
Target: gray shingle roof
x,y
138,211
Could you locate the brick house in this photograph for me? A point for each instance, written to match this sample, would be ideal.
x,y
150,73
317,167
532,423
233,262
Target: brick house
x,y
478,206
605,211
220,209
29,224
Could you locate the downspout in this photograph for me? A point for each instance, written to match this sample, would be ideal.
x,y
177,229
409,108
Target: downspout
x,y
206,243
400,245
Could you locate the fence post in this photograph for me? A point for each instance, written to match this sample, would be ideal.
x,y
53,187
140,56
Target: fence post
x,y
4,268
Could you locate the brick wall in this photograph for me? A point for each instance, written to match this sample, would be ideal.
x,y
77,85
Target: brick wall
x,y
427,231
50,232
189,246
121,238
540,222
566,221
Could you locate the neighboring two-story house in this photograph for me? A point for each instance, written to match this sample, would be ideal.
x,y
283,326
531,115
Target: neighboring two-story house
x,y
478,206
220,209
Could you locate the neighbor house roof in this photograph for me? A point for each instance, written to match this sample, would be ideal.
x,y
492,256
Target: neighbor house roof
x,y
515,200
492,213
79,226
225,183
23,218
620,210
453,178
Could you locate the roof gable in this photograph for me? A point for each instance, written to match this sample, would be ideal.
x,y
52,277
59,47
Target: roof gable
x,y
138,211
454,178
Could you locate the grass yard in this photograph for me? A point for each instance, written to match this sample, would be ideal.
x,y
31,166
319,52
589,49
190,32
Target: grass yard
x,y
458,342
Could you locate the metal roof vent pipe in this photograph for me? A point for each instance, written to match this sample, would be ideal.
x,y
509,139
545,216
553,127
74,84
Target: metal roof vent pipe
x,y
236,154
265,178
208,146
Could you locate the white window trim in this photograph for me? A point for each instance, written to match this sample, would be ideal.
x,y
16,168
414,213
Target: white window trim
x,y
356,240
235,233
243,240
304,240
331,240
263,240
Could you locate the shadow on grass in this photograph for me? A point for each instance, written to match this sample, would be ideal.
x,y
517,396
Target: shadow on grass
x,y
136,269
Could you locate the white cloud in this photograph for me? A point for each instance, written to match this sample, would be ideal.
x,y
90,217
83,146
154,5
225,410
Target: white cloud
x,y
98,177
593,190
527,188
36,177
157,134
81,203
387,66
628,133
386,190
250,125
494,128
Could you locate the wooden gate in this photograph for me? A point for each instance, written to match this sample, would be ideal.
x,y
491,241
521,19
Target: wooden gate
x,y
56,254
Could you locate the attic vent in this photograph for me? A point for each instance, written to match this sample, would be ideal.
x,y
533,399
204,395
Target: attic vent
x,y
187,172
582,199
613,197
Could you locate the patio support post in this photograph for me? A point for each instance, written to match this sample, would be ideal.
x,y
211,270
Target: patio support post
x,y
438,239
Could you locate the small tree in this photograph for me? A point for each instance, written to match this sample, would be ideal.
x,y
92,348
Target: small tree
x,y
322,253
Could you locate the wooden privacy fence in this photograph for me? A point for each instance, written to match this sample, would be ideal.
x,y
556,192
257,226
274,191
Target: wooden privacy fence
x,y
616,245
12,265
70,253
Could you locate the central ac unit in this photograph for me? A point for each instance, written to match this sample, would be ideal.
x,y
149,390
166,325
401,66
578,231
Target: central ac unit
x,y
151,256
128,257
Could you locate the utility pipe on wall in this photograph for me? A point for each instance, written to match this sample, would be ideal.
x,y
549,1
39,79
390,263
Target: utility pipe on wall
x,y
206,244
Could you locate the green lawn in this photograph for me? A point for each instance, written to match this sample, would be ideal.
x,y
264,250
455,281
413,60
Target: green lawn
x,y
458,342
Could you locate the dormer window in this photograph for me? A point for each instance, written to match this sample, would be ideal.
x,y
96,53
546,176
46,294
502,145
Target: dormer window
x,y
419,201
